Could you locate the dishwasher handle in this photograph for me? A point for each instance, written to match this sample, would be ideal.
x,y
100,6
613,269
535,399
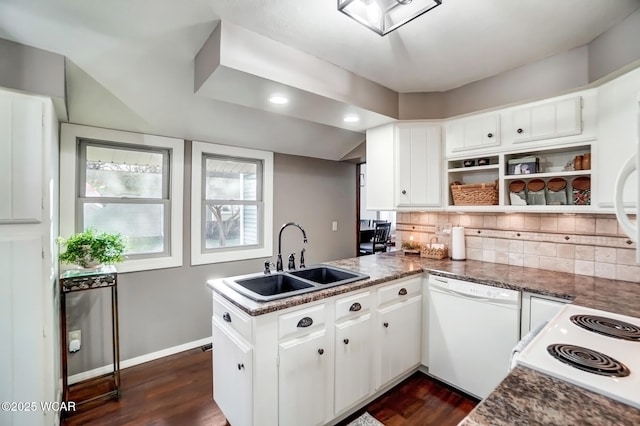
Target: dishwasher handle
x,y
475,291
462,295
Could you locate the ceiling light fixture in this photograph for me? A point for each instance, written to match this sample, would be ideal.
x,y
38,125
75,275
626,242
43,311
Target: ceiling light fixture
x,y
351,118
278,100
384,16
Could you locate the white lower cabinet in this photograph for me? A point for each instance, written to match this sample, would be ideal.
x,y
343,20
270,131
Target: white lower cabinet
x,y
399,328
353,362
311,364
304,360
302,377
538,309
232,374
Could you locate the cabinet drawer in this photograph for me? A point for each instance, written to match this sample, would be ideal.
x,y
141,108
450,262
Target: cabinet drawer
x,y
232,317
399,291
302,321
355,305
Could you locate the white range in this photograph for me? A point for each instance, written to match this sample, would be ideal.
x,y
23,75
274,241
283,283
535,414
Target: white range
x,y
594,349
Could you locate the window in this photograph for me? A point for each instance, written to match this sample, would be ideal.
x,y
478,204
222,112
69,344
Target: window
x,y
231,203
125,189
127,183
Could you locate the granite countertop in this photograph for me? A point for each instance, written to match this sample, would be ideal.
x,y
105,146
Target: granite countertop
x,y
622,297
524,396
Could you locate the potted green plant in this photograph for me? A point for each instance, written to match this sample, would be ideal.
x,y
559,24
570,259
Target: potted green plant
x,y
91,249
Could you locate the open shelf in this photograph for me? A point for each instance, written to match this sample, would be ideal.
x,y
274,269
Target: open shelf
x,y
549,163
569,173
475,168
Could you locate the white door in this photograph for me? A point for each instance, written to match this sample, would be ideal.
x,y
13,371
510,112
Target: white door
x,y
399,327
232,375
353,362
302,380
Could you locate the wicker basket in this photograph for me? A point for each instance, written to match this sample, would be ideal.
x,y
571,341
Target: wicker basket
x,y
431,252
474,194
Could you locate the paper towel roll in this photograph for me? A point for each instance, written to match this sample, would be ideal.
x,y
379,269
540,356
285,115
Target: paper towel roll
x,y
458,250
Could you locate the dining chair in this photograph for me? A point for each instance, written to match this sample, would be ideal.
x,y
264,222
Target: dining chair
x,y
379,241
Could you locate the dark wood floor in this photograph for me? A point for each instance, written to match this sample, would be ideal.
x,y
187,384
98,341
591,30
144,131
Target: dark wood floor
x,y
177,390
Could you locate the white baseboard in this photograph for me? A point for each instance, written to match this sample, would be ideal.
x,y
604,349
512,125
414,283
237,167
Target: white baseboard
x,y
138,360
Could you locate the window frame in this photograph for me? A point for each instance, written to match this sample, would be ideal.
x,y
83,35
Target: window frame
x,y
72,136
199,255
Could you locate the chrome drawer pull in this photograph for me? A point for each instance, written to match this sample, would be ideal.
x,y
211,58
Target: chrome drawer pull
x,y
355,307
305,322
402,292
226,317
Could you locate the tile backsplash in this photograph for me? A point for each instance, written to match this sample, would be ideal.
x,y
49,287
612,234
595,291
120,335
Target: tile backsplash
x,y
584,244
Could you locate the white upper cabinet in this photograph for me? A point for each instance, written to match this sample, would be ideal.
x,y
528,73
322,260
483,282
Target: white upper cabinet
x,y
477,134
404,166
21,160
418,166
546,120
379,183
617,136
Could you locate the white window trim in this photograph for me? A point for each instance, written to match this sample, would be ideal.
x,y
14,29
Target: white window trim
x,y
70,133
266,250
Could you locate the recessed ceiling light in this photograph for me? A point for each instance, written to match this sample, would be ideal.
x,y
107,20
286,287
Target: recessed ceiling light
x,y
351,118
278,100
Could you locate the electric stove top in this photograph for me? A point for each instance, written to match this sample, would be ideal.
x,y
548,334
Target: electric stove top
x,y
594,349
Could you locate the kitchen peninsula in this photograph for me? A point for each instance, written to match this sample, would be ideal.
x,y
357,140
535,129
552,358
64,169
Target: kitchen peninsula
x,y
524,395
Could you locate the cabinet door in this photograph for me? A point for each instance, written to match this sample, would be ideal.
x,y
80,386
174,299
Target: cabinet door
x,y
353,362
379,184
232,375
23,355
473,134
399,327
618,133
548,120
303,378
21,163
418,166
542,310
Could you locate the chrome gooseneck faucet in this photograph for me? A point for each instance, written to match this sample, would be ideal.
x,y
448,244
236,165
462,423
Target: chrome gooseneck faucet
x,y
304,235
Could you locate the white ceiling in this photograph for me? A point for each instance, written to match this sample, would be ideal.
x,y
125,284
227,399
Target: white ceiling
x,y
131,62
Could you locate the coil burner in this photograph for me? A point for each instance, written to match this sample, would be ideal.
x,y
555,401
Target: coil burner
x,y
607,327
588,360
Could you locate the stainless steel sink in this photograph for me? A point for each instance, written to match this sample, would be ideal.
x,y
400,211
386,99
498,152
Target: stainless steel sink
x,y
278,285
325,274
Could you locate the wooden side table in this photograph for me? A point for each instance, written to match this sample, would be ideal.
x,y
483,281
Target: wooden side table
x,y
81,280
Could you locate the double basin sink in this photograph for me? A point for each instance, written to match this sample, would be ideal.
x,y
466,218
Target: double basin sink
x,y
278,285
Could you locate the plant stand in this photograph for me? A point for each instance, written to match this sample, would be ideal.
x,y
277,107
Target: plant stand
x,y
81,280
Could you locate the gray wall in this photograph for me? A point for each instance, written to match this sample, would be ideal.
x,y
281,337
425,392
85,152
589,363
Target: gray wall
x,y
33,70
165,308
616,49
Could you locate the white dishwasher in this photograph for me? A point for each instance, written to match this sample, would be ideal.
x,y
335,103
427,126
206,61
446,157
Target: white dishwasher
x,y
472,330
